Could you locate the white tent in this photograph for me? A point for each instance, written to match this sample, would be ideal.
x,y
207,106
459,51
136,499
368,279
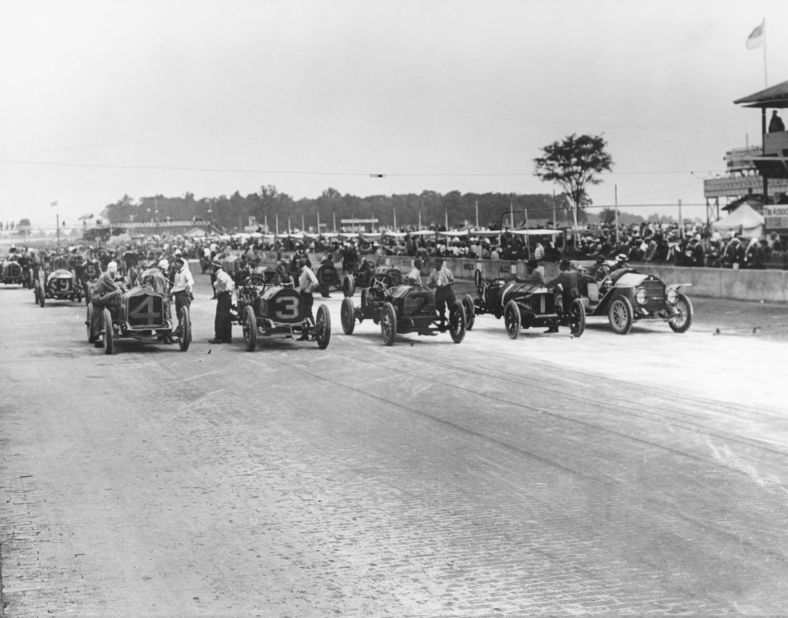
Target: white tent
x,y
743,219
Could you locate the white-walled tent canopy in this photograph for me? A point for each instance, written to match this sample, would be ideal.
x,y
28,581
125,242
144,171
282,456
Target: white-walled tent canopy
x,y
744,219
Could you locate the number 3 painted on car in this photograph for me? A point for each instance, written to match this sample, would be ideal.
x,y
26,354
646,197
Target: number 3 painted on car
x,y
287,308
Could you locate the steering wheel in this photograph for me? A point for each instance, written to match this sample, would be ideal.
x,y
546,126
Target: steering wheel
x,y
256,279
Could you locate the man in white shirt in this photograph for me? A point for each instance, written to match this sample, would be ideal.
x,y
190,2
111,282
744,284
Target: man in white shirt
x,y
307,283
224,286
182,284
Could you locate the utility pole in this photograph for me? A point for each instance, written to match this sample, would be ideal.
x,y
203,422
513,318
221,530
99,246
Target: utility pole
x,y
681,225
615,201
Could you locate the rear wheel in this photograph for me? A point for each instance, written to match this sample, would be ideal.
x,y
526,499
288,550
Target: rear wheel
x,y
185,329
577,317
348,285
109,334
347,315
620,314
682,319
457,324
250,328
512,318
470,311
322,327
388,323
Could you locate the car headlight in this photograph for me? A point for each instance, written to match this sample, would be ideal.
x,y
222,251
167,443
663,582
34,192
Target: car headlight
x,y
640,296
672,296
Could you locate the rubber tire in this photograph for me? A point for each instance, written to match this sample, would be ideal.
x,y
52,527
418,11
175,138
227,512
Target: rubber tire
x,y
185,334
457,325
683,328
513,319
36,291
621,308
477,279
40,296
109,333
577,313
470,311
250,328
89,321
388,323
348,286
322,327
347,315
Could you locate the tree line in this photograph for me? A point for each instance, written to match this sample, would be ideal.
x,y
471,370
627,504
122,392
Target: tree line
x,y
236,212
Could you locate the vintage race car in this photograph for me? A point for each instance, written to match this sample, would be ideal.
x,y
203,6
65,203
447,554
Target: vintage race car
x,y
523,305
368,275
627,296
265,307
402,309
142,313
11,273
59,284
328,278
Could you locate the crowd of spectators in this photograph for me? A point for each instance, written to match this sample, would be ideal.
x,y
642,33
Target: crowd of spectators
x,y
695,245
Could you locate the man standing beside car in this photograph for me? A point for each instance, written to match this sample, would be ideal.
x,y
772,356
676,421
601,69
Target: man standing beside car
x,y
442,280
182,284
104,292
307,283
223,286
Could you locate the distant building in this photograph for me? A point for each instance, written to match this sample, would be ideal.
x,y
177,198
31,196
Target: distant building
x,y
756,175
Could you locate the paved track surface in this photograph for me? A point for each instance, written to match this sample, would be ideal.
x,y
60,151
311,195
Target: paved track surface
x,y
633,475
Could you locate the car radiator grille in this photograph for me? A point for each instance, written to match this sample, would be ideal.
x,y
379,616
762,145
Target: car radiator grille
x,y
145,311
656,295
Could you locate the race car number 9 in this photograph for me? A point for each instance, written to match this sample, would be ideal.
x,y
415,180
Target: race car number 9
x,y
286,308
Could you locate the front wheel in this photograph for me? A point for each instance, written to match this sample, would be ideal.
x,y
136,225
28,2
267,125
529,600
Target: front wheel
x,y
621,315
184,329
457,324
89,323
477,279
347,315
470,311
682,319
388,323
250,328
577,318
322,327
348,285
109,334
512,318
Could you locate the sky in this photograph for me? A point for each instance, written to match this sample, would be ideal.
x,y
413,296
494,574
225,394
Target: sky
x,y
105,98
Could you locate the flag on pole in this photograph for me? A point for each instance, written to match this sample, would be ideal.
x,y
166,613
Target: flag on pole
x,y
755,39
54,203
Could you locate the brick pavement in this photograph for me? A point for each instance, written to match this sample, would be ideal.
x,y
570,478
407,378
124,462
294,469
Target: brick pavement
x,y
424,480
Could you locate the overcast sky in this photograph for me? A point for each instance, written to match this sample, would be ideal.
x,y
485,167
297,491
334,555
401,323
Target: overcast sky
x,y
145,97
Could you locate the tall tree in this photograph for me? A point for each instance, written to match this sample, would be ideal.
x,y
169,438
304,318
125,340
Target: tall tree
x,y
574,163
